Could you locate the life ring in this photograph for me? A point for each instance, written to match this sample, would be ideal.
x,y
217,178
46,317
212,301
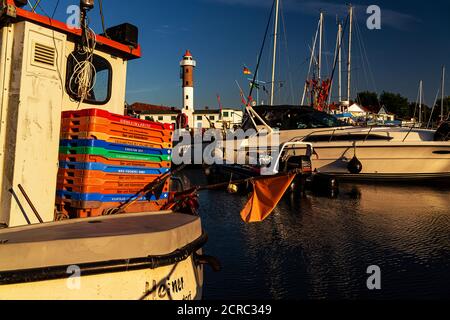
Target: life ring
x,y
182,121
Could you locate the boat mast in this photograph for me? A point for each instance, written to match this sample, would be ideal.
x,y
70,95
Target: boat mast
x,y
349,63
274,51
313,51
319,70
420,102
442,93
340,60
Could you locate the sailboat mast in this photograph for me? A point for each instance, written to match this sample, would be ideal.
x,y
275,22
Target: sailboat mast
x,y
420,102
313,52
275,36
442,93
349,63
340,60
319,70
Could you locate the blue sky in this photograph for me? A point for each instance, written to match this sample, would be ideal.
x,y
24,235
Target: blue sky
x,y
223,35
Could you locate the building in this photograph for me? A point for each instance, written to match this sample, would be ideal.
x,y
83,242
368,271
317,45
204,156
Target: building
x,y
153,112
212,118
202,119
385,116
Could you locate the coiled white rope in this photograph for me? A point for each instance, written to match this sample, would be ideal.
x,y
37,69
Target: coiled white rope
x,y
84,75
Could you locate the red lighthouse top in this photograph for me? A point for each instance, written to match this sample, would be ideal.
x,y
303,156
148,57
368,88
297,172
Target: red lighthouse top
x,y
188,54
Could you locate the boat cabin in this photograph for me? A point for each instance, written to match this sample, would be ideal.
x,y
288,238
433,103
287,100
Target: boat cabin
x,y
39,78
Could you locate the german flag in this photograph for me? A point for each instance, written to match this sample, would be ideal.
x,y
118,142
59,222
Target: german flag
x,y
247,71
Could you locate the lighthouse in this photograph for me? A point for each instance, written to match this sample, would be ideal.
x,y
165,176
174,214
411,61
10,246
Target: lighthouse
x,y
187,76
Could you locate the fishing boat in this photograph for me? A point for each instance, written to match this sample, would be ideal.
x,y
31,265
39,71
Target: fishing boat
x,y
51,73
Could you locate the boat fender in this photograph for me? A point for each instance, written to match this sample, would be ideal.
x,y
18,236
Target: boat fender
x,y
355,166
213,262
443,132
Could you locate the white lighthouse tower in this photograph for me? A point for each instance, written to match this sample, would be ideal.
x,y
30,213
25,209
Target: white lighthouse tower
x,y
187,75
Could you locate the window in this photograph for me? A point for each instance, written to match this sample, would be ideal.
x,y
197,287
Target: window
x,y
160,118
212,118
226,114
187,97
101,91
173,118
187,70
187,82
199,118
187,107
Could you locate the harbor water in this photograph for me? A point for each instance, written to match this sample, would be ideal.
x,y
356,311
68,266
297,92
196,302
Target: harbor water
x,y
320,247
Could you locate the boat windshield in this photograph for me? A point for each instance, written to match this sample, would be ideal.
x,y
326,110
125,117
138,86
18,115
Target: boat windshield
x,y
295,118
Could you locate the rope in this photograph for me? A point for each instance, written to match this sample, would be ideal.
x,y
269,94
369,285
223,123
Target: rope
x,y
84,74
287,54
261,51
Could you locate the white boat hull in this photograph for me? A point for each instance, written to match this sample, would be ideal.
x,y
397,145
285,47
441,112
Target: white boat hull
x,y
390,160
152,256
182,281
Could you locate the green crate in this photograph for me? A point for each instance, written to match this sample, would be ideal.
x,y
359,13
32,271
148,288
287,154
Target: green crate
x,y
112,154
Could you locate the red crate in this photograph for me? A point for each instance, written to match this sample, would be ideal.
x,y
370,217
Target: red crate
x,y
116,119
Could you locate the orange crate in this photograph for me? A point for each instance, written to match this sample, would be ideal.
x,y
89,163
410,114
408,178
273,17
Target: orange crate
x,y
100,184
70,212
113,162
99,124
127,189
99,177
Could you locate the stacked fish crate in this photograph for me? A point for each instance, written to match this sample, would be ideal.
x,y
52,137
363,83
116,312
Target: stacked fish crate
x,y
106,159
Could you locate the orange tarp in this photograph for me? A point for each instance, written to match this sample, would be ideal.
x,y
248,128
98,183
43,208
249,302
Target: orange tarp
x,y
266,195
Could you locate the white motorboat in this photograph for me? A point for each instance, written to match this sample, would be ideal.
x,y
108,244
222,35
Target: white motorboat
x,y
381,152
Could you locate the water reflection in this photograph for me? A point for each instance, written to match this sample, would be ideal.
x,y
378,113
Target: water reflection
x,y
317,247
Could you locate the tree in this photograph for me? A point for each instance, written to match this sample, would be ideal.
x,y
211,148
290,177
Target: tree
x,y
396,104
368,99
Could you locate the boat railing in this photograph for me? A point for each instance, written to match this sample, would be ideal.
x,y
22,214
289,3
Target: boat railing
x,y
308,146
333,133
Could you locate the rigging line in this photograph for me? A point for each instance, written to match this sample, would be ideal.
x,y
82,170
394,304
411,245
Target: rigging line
x,y
100,4
312,57
261,51
56,8
361,59
336,60
36,4
434,107
366,56
287,53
